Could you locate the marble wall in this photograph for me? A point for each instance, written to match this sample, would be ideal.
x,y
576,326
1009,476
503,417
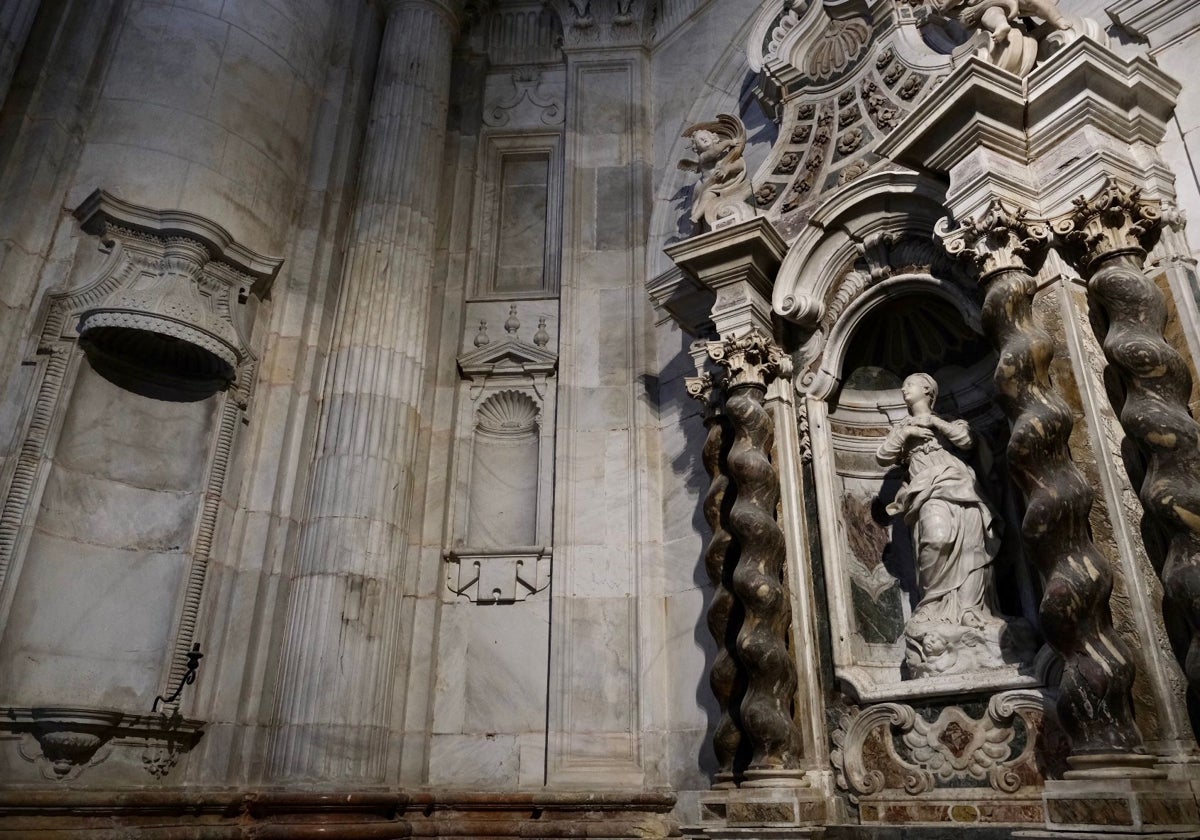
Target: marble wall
x,y
549,203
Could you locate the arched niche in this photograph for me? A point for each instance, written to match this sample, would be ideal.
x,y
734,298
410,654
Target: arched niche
x,y
908,323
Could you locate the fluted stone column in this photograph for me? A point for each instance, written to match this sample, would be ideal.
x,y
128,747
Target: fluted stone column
x,y
334,698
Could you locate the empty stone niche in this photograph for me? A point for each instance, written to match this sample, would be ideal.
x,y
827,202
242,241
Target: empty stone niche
x,y
144,371
499,546
915,326
502,504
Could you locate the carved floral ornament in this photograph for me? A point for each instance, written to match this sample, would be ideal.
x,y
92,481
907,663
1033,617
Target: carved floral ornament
x,y
999,239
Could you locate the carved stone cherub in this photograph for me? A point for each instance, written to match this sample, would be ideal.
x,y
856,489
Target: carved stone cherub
x,y
721,195
1010,48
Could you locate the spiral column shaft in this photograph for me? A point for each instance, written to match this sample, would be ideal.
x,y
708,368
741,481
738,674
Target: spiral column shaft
x,y
761,647
1094,702
1107,239
720,555
341,643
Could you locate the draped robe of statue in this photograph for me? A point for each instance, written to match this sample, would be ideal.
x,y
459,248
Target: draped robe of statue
x,y
956,626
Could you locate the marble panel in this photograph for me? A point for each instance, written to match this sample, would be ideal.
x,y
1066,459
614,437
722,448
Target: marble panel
x,y
89,625
492,762
94,510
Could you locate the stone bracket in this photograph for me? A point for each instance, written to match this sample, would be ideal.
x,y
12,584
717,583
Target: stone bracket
x,y
497,577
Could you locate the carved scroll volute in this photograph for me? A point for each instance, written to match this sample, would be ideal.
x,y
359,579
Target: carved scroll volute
x,y
1108,237
753,362
1094,698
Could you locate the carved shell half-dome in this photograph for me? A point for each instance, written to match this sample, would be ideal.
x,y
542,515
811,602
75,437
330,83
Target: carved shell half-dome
x,y
841,43
508,413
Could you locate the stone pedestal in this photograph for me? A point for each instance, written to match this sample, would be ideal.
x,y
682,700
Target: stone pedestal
x,y
760,812
1120,805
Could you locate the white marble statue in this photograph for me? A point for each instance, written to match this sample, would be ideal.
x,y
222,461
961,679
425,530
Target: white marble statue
x,y
956,627
722,194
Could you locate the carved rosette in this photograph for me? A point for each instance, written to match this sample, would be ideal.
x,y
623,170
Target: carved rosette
x,y
753,361
1107,239
720,557
1094,699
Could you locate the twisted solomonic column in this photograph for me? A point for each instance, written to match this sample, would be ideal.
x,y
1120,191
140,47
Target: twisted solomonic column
x,y
720,556
1107,238
753,361
1094,701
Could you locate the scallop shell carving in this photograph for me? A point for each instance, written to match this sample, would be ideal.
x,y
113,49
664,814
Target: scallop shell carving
x,y
841,44
508,413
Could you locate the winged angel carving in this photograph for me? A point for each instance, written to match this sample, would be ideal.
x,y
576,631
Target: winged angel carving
x,y
721,195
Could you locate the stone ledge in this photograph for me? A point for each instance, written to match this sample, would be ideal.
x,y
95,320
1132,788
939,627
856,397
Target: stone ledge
x,y
231,814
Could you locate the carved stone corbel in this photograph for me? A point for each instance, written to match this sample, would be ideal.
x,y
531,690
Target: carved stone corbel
x,y
753,361
1107,238
1094,702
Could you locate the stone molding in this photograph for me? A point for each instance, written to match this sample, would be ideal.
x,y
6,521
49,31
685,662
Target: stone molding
x,y
1160,23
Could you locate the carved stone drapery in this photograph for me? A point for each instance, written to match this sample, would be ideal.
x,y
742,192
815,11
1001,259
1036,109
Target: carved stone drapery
x,y
1094,701
753,361
1107,239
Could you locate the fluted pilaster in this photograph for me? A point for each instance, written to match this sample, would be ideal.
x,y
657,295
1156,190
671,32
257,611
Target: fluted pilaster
x,y
341,644
765,711
1107,238
720,557
1094,702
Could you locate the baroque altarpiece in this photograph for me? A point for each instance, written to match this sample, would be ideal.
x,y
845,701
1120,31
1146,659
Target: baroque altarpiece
x,y
599,418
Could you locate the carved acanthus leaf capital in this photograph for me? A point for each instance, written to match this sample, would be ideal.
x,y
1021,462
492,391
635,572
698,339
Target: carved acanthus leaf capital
x,y
1002,238
753,360
1115,221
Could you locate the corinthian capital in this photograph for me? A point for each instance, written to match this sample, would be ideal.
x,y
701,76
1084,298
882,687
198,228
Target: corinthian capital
x,y
1002,238
1115,221
753,360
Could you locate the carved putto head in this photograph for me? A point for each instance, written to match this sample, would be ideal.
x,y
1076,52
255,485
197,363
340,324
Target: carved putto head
x,y
721,195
